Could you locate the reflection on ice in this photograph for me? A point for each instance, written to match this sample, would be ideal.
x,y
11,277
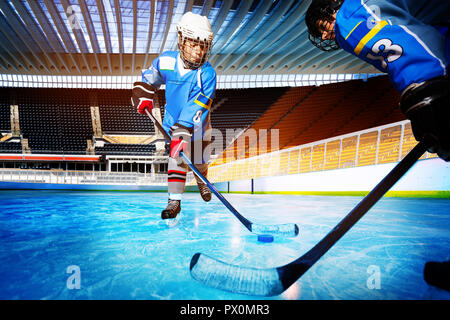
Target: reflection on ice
x,y
125,251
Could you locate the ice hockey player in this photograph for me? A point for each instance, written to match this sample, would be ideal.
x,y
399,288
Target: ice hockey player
x,y
408,40
190,84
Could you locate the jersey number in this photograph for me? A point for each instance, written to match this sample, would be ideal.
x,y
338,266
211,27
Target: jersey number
x,y
385,51
198,116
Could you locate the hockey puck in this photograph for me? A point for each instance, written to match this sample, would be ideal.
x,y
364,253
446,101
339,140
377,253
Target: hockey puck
x,y
265,238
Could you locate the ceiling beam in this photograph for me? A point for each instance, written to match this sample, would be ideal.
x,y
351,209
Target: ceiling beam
x,y
294,57
372,69
62,31
49,32
150,32
12,42
135,20
207,5
246,30
346,58
290,21
355,65
35,33
91,32
76,29
278,61
289,42
238,16
273,19
119,32
324,59
312,57
105,30
168,23
7,59
22,33
189,5
187,8
3,64
223,12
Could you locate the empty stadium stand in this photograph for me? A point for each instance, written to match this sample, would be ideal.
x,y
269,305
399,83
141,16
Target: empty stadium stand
x,y
119,116
5,122
307,114
55,121
10,147
240,108
60,121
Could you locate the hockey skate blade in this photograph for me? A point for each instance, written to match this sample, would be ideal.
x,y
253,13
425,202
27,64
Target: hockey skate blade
x,y
224,276
172,222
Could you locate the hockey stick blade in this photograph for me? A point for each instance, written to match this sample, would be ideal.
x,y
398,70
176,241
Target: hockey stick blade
x,y
273,281
287,230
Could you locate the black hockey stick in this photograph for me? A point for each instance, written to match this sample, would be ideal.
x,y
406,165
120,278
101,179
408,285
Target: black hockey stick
x,y
288,229
273,281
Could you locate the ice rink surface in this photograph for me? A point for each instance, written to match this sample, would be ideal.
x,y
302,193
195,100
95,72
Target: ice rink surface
x,y
115,246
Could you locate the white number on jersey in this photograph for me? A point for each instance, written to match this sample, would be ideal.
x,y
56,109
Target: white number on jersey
x,y
386,47
198,116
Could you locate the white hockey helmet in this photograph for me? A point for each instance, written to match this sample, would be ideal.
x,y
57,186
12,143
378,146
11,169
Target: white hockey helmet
x,y
194,30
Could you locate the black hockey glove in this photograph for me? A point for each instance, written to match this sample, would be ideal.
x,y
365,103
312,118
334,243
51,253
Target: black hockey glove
x,y
427,105
142,97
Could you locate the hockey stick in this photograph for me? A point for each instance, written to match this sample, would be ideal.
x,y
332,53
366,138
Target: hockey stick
x,y
288,229
273,281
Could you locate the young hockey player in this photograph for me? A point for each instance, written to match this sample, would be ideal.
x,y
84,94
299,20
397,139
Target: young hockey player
x,y
407,39
190,84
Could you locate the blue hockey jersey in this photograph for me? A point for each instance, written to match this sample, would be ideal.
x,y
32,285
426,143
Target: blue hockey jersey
x,y
396,37
189,93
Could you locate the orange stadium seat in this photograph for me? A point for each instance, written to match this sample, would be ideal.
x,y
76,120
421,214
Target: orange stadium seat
x,y
367,148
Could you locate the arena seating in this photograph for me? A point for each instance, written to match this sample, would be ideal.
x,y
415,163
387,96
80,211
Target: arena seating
x,y
59,120
10,147
119,116
55,121
5,122
307,114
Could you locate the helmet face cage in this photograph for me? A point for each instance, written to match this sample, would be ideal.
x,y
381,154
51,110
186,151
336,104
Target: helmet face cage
x,y
321,10
324,45
189,61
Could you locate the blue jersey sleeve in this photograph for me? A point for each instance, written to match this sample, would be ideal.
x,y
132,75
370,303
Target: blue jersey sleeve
x,y
394,42
153,75
195,114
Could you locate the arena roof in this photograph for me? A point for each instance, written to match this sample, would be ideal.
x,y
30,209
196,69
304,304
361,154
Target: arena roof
x,y
120,37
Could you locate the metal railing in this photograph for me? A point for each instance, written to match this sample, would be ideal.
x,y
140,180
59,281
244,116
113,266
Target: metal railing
x,y
383,144
82,177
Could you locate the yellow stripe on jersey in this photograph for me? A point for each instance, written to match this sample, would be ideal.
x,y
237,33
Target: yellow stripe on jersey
x,y
203,101
353,30
380,25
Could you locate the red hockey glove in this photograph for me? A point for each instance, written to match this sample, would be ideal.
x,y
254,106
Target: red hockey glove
x,y
145,104
176,146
